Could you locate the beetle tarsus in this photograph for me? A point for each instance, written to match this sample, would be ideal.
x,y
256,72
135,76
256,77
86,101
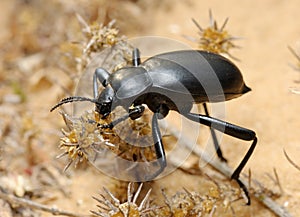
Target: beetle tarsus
x,y
136,112
245,190
238,170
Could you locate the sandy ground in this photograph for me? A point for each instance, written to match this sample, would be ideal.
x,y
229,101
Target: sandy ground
x,y
271,109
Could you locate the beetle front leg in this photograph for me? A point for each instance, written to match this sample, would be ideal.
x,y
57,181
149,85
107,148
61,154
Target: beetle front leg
x,y
101,75
136,59
159,147
133,113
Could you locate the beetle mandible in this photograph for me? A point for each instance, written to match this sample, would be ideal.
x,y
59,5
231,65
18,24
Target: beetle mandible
x,y
170,81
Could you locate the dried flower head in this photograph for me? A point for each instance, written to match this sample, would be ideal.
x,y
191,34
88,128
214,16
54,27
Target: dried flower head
x,y
84,139
188,204
99,36
192,204
96,38
215,39
111,206
81,139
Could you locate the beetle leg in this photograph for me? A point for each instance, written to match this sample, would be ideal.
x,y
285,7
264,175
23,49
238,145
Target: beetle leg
x,y
214,137
136,59
101,75
232,130
222,126
133,113
236,173
159,147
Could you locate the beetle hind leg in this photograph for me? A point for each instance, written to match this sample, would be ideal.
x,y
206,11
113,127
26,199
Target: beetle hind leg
x,y
231,130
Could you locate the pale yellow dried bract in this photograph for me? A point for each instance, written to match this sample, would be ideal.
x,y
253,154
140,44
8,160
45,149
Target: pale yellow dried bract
x,y
100,36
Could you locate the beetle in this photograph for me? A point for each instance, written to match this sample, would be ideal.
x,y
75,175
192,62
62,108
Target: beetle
x,y
172,81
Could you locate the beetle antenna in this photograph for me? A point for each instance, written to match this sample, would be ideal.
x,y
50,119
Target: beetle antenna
x,y
73,99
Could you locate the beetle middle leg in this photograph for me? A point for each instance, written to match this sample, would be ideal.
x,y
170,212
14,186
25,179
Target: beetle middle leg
x,y
214,137
232,130
137,112
159,147
133,113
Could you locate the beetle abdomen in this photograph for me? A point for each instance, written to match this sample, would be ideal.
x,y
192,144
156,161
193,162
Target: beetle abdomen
x,y
205,76
228,74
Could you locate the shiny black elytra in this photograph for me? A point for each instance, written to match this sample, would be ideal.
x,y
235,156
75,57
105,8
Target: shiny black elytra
x,y
173,81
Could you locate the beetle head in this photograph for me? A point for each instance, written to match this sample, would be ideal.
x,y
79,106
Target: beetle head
x,y
104,103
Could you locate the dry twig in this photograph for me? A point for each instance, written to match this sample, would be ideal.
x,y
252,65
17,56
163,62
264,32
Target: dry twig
x,y
34,205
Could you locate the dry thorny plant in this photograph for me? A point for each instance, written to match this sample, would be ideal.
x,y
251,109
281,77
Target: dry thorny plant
x,y
111,206
182,203
96,37
214,38
84,139
24,173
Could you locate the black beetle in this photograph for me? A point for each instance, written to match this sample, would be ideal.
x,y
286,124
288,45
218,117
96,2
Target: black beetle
x,y
173,81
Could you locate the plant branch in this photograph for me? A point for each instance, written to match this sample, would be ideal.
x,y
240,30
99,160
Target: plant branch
x,y
34,205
